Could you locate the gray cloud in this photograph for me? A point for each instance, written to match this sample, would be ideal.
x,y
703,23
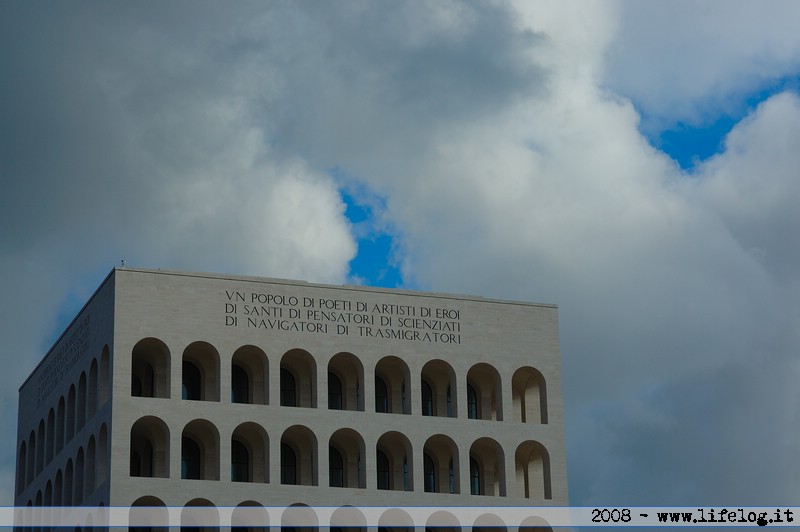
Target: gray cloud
x,y
200,136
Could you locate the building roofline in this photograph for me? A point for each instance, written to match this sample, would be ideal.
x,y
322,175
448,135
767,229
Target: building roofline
x,y
346,287
273,280
67,328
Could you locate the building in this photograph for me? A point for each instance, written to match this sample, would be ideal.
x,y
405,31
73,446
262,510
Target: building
x,y
184,389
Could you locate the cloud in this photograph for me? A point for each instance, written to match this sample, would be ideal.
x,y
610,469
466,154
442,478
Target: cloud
x,y
686,62
504,142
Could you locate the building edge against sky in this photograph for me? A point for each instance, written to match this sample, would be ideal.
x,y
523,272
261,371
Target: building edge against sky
x,y
186,389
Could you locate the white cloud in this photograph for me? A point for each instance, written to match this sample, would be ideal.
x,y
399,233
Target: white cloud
x,y
688,61
509,165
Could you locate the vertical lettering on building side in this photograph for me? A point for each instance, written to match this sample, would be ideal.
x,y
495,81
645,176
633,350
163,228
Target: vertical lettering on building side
x,y
68,353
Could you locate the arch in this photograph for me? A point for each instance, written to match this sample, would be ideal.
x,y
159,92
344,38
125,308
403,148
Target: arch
x,y
250,376
442,453
534,524
349,446
381,395
439,398
529,395
249,453
91,392
347,369
487,456
31,467
149,450
200,514
299,518
80,464
302,368
60,421
348,519
70,421
102,455
148,513
150,369
104,379
288,388
484,385
302,443
40,439
22,461
395,520
81,407
443,521
335,468
394,374
200,451
488,523
250,516
200,378
68,483
532,465
398,456
91,465
58,489
51,436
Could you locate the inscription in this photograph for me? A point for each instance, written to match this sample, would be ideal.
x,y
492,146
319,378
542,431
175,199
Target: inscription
x,y
69,353
343,317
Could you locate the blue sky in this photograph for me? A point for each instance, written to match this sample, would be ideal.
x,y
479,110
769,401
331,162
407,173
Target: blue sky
x,y
634,162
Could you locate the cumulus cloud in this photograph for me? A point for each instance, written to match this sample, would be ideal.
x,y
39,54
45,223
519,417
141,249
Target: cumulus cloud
x,y
505,143
687,62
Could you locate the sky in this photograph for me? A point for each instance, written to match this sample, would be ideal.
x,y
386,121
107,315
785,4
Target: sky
x,y
636,163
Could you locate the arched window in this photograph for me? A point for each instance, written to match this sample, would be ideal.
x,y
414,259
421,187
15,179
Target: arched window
x,y
394,373
142,460
335,467
381,395
21,463
288,465
70,413
301,389
429,473
249,376
91,393
240,385
150,369
384,474
81,409
427,399
485,386
192,382
60,421
346,392
191,460
51,429
334,392
79,472
288,388
240,462
474,477
249,453
472,403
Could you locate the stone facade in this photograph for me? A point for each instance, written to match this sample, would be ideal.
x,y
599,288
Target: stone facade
x,y
183,389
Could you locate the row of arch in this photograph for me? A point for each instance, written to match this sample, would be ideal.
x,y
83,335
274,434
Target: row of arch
x,y
347,388
348,459
202,513
149,513
64,421
79,478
